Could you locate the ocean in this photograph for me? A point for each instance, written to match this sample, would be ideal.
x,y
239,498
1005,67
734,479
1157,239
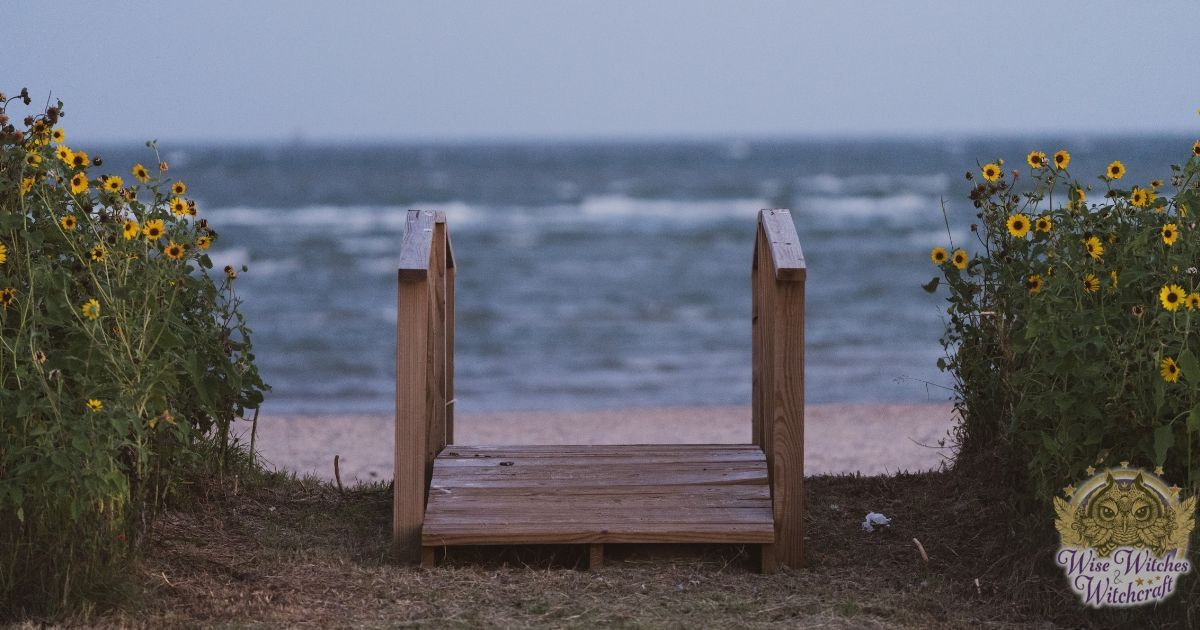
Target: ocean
x,y
602,274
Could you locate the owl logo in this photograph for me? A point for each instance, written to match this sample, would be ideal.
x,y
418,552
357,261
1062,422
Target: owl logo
x,y
1125,508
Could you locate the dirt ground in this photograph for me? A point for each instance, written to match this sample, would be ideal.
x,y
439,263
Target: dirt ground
x,y
289,552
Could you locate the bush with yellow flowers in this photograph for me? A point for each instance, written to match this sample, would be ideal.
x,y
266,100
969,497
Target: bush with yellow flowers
x,y
1073,327
123,361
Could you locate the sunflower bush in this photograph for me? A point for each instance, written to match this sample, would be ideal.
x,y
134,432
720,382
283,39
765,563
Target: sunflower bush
x,y
123,361
1073,327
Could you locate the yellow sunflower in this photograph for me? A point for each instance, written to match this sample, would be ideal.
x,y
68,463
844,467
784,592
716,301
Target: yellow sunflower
x,y
58,135
130,229
204,242
1139,197
1196,148
33,159
1169,370
98,254
179,207
1080,195
112,183
94,405
140,173
63,154
991,172
1116,170
27,185
153,229
1170,233
79,159
1171,296
1193,301
1062,159
1018,225
959,258
229,272
3,253
91,309
1156,183
1043,224
938,255
1036,159
79,183
179,188
7,296
1091,284
173,250
68,222
1034,284
1094,247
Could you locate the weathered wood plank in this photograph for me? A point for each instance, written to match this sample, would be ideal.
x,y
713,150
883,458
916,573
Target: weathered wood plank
x,y
735,492
787,258
555,534
435,394
451,270
533,450
595,556
631,479
415,245
787,420
412,329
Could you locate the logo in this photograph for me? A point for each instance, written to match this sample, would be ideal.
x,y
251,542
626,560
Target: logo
x,y
1124,537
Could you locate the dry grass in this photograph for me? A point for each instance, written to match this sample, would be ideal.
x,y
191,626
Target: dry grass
x,y
289,552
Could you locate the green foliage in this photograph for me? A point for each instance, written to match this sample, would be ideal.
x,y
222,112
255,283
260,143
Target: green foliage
x,y
1074,326
123,362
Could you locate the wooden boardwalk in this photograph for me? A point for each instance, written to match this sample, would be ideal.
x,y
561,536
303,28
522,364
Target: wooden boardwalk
x,y
502,495
449,494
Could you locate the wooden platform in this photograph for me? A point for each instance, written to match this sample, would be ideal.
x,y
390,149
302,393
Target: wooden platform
x,y
501,495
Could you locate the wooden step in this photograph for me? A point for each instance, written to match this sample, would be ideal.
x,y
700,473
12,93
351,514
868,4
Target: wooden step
x,y
501,495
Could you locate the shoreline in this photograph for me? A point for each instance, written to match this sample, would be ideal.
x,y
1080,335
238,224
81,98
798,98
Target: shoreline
x,y
869,439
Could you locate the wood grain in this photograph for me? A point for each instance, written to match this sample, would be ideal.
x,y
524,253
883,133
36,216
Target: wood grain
x,y
415,245
784,244
412,332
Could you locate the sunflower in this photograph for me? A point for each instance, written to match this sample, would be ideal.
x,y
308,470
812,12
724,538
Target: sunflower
x,y
130,229
98,253
7,296
1156,183
1196,148
3,253
1034,284
1116,170
27,185
959,258
1192,301
94,405
179,207
1043,223
1169,370
1018,225
39,357
1139,197
229,272
1171,296
63,154
91,309
178,188
33,159
1062,159
1094,248
153,229
79,159
141,173
173,250
991,172
938,255
1170,233
58,135
1036,159
1080,195
1090,283
68,222
204,242
112,183
79,183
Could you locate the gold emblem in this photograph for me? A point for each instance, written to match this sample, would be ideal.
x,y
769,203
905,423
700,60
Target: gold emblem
x,y
1125,508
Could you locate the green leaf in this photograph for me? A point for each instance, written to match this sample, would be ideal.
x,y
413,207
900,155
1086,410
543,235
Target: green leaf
x,y
1164,438
1190,366
932,285
1193,421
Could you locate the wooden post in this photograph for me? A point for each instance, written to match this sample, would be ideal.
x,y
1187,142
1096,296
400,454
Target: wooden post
x,y
777,278
424,345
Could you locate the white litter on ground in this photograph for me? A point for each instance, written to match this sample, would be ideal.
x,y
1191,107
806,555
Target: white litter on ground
x,y
875,519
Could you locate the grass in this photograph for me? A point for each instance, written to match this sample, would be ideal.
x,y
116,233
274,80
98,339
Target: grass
x,y
282,551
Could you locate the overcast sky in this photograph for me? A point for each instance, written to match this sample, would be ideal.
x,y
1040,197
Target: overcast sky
x,y
280,70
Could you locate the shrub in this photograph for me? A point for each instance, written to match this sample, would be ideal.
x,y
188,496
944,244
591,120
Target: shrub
x,y
1074,322
123,362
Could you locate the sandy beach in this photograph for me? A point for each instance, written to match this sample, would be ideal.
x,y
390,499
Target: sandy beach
x,y
870,439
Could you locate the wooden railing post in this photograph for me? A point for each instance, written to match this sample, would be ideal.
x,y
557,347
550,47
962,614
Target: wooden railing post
x,y
424,367
777,280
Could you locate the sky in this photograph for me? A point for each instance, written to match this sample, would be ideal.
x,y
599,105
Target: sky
x,y
358,71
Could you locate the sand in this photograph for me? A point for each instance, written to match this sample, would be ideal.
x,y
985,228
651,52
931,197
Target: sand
x,y
870,439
